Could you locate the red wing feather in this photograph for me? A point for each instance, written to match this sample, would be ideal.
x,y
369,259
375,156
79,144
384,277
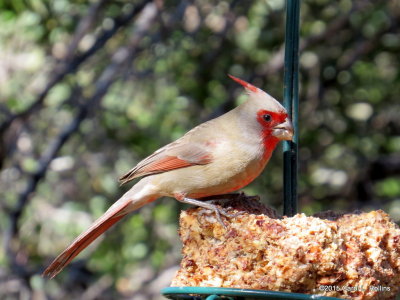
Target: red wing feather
x,y
170,157
166,164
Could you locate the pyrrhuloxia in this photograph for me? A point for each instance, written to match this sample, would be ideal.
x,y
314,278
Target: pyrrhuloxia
x,y
217,157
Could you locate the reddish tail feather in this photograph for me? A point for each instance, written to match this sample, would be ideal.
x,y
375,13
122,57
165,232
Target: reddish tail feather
x,y
85,239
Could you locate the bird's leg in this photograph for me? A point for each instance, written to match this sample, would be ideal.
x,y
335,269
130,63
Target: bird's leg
x,y
229,197
217,210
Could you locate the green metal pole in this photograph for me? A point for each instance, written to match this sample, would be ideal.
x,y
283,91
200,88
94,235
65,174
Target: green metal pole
x,y
290,101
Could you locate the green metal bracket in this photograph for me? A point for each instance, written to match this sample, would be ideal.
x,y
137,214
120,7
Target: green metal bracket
x,y
291,103
213,293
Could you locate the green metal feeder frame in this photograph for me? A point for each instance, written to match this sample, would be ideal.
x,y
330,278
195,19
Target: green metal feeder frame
x,y
290,157
213,293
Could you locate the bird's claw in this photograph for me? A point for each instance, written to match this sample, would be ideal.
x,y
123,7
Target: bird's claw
x,y
211,207
220,211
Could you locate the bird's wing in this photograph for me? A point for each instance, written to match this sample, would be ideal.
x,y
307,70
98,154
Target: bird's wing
x,y
179,154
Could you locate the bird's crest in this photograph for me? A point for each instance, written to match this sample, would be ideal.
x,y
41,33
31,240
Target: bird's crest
x,y
259,96
249,87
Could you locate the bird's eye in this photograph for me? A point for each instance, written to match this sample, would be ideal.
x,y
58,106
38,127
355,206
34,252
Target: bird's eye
x,y
267,117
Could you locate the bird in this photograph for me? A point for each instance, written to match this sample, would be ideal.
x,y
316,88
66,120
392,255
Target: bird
x,y
217,157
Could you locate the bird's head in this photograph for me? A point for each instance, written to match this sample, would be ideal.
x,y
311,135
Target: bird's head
x,y
272,118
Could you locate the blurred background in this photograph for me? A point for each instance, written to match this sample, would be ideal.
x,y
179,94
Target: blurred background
x,y
89,88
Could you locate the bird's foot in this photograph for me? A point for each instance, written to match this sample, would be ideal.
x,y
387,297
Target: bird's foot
x,y
211,207
218,211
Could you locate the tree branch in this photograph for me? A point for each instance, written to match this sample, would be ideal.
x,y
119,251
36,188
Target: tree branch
x,y
119,61
70,66
83,27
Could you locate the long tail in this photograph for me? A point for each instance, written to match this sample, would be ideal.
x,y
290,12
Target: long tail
x,y
115,213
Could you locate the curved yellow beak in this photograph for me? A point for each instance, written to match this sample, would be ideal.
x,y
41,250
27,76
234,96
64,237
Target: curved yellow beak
x,y
284,131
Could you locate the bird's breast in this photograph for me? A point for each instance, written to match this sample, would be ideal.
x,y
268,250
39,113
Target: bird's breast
x,y
233,167
235,163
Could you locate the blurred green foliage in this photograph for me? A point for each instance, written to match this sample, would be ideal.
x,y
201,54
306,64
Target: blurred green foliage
x,y
175,79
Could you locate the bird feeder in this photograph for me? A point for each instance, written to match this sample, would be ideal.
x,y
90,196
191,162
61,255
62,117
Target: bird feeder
x,y
341,255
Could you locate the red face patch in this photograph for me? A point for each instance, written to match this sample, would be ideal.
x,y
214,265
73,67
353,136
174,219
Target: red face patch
x,y
268,120
273,119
